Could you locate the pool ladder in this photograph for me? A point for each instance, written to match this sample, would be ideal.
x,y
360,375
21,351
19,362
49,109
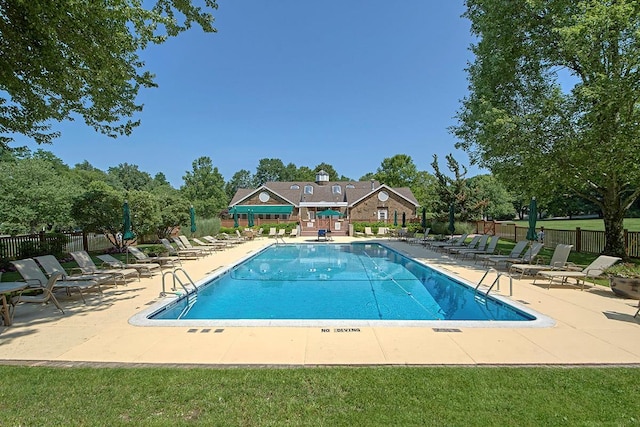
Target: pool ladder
x,y
176,279
495,282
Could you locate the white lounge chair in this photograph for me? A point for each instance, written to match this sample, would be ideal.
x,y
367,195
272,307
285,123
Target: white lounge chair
x,y
180,253
368,232
593,270
294,232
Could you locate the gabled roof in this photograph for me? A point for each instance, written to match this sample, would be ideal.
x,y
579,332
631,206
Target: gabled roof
x,y
404,192
351,192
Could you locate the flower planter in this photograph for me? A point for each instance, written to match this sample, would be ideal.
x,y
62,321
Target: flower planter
x,y
625,287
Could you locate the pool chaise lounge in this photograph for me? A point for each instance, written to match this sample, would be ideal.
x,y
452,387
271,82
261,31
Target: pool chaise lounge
x,y
148,268
593,270
31,273
164,261
558,262
87,266
51,266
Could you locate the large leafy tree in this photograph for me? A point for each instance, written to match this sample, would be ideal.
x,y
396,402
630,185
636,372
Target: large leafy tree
x,y
268,170
204,188
554,100
129,177
67,59
35,194
240,179
99,210
490,198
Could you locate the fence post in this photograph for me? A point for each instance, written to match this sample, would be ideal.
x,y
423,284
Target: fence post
x,y
85,241
626,241
578,239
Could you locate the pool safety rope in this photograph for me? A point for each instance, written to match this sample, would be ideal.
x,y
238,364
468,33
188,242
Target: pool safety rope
x,y
385,276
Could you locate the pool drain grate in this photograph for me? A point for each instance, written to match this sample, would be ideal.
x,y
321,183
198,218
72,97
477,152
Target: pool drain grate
x,y
446,330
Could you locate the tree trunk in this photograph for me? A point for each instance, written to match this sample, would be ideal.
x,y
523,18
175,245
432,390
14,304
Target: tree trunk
x,y
613,215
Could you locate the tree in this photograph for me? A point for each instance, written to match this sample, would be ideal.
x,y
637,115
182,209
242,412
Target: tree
x,y
34,195
204,188
129,177
99,210
490,198
268,170
174,211
452,190
81,59
240,179
522,123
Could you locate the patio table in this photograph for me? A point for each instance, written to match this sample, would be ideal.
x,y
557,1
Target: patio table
x,y
7,288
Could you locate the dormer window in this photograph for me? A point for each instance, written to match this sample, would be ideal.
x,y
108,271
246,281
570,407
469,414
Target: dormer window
x,y
295,187
336,189
350,186
308,189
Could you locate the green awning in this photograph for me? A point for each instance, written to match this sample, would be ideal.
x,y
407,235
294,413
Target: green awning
x,y
263,209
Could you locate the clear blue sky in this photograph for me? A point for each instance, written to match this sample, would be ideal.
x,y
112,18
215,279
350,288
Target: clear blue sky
x,y
344,82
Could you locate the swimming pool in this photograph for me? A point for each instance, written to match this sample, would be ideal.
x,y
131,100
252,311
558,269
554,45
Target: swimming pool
x,y
329,284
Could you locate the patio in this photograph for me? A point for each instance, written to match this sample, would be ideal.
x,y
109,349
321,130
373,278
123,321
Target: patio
x,y
593,327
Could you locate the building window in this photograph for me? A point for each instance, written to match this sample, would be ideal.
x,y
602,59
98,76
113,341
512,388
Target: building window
x,y
350,186
295,187
336,189
383,196
264,197
382,214
308,189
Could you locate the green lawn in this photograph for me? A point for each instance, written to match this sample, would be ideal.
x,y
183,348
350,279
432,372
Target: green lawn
x,y
332,396
631,224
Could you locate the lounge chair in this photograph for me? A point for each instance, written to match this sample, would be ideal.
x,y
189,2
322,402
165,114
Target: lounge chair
x,y
473,243
33,276
43,298
383,231
282,232
180,253
162,260
146,268
273,232
218,243
489,250
214,246
593,270
260,233
184,244
528,257
454,241
51,266
368,232
421,240
294,232
515,252
480,245
87,266
558,262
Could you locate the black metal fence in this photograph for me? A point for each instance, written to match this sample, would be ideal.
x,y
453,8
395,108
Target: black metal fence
x,y
14,246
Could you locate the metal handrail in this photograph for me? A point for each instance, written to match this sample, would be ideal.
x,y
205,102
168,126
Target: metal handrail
x,y
180,282
496,281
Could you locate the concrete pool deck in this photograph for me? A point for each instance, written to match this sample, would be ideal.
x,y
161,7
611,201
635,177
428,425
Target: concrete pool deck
x,y
593,327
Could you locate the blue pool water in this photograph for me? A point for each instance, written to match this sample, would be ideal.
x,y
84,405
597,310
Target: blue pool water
x,y
358,281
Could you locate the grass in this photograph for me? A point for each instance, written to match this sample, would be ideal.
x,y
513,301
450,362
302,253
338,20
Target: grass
x,y
631,224
335,396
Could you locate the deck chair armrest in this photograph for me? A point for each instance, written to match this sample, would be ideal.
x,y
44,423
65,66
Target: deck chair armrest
x,y
540,260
